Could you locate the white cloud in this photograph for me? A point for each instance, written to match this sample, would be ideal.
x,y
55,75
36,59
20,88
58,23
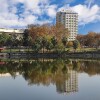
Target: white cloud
x,y
30,19
86,14
89,2
36,10
30,15
67,6
51,10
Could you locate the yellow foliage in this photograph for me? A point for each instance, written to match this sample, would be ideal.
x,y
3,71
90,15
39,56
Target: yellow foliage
x,y
70,44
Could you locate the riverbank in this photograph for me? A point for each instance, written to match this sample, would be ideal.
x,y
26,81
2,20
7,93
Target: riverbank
x,y
84,55
28,55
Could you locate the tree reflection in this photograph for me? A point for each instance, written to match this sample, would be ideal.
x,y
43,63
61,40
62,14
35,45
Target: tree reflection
x,y
90,67
62,73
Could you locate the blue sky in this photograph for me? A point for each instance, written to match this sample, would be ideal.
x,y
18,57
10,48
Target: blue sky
x,y
20,13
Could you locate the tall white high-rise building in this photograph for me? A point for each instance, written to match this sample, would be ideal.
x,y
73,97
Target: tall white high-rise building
x,y
69,19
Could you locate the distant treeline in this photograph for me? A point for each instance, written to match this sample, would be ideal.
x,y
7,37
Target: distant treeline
x,y
91,39
41,37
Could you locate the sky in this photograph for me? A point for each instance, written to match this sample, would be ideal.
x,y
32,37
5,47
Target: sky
x,y
20,13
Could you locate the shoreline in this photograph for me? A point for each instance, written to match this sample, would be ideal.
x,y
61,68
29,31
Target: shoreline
x,y
80,55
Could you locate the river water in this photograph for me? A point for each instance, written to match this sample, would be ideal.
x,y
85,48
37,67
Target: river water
x,y
49,79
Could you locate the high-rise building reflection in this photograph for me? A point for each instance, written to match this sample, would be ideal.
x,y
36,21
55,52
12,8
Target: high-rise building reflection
x,y
69,85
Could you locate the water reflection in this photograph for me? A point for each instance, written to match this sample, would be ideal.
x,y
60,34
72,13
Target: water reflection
x,y
62,73
70,85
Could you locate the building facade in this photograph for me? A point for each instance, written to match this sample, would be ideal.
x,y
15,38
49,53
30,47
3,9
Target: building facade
x,y
69,19
17,32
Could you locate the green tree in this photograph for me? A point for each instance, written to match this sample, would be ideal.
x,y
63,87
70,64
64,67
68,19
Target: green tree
x,y
9,41
26,38
75,44
37,44
3,39
64,41
36,47
54,41
44,42
60,48
49,45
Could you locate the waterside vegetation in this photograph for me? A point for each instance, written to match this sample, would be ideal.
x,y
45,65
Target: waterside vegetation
x,y
49,39
49,71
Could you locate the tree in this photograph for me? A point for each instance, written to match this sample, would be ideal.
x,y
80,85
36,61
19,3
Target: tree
x,y
59,31
81,38
26,38
36,47
9,41
37,44
44,42
49,45
98,43
54,41
89,40
64,41
3,39
60,48
70,44
39,31
53,33
75,44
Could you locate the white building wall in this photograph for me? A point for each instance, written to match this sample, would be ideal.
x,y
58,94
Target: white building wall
x,y
17,32
4,30
70,20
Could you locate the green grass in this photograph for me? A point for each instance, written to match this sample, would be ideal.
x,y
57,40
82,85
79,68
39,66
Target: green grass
x,y
67,49
16,50
82,49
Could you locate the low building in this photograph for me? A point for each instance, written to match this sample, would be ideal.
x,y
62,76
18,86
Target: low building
x,y
17,32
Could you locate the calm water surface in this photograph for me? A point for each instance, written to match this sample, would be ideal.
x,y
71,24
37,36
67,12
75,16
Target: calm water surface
x,y
50,80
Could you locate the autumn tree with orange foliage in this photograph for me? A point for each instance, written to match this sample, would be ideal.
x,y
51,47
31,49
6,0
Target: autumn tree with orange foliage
x,y
45,33
38,31
58,31
92,39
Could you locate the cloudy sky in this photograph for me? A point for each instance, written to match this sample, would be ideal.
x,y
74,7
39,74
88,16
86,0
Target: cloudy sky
x,y
20,13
